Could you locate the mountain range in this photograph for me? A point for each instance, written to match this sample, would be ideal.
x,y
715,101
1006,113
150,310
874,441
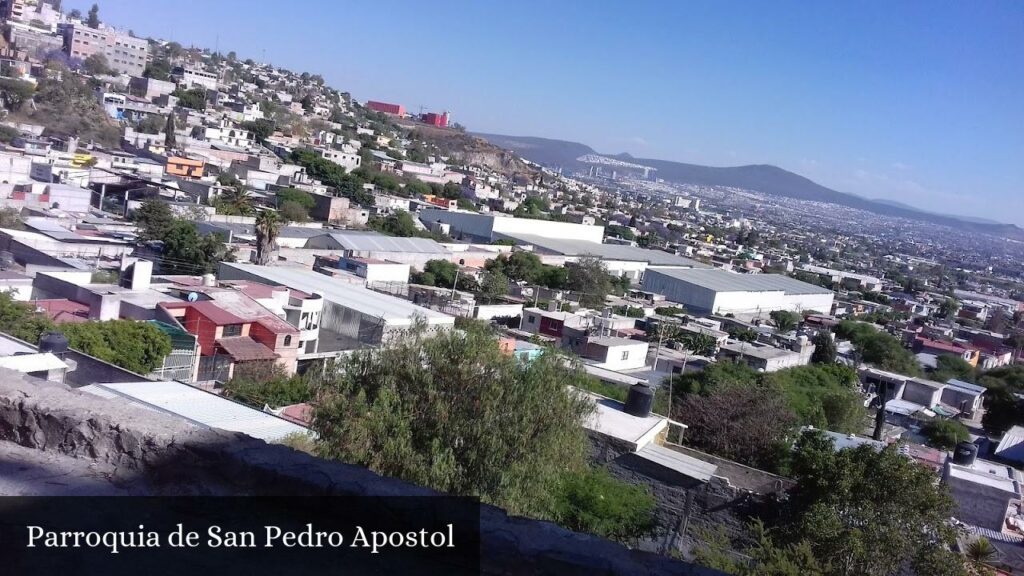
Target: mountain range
x,y
763,178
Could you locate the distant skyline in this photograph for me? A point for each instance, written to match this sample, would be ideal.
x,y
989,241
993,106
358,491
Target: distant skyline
x,y
916,102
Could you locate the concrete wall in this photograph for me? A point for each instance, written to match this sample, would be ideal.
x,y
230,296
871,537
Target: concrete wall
x,y
166,455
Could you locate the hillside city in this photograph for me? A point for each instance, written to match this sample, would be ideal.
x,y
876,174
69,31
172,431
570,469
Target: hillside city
x,y
723,378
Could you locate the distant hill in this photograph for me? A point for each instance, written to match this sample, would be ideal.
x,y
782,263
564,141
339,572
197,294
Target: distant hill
x,y
762,178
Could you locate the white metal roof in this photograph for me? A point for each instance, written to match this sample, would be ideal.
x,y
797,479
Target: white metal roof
x,y
376,242
606,251
394,311
724,281
199,407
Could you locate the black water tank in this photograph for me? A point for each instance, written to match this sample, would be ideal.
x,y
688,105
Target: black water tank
x,y
965,454
639,400
54,342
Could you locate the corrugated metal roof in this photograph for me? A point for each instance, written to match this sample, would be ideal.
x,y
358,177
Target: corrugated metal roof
x,y
966,386
374,242
394,311
200,407
606,251
724,281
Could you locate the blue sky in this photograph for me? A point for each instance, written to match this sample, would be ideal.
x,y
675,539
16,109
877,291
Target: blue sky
x,y
920,102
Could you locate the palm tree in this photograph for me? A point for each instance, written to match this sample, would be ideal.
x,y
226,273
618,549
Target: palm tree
x,y
979,553
268,226
236,200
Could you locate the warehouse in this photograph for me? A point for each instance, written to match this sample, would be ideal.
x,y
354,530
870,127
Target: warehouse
x,y
723,292
415,252
474,227
619,259
361,316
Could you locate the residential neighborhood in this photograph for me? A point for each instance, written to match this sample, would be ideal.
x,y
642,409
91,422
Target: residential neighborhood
x,y
247,248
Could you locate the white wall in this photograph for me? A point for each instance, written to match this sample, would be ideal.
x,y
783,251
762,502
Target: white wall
x,y
636,356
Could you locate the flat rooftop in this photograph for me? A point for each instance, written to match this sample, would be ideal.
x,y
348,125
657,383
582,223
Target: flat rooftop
x,y
199,407
720,280
989,474
394,311
605,251
610,419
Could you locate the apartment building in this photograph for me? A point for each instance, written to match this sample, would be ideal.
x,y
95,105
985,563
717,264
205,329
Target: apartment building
x,y
124,53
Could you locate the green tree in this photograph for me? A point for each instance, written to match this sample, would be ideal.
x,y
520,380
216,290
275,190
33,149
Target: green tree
x,y
865,512
96,65
948,366
151,124
1003,409
194,98
589,277
300,197
170,138
185,251
417,188
20,320
452,412
14,93
494,285
785,321
949,308
235,201
260,384
593,501
944,434
158,69
8,134
878,348
94,17
824,348
261,129
293,211
154,220
268,227
136,346
822,395
399,223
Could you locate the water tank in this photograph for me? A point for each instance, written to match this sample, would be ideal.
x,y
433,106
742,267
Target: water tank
x,y
640,400
54,342
209,280
965,454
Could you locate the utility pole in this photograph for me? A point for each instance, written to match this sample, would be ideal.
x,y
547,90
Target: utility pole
x,y
455,283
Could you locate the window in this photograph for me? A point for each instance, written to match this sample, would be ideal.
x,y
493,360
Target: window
x,y
531,319
232,330
625,354
288,340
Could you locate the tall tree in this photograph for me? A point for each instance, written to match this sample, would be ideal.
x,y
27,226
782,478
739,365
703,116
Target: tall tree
x,y
867,512
154,220
170,140
268,226
745,423
824,348
450,411
784,321
589,277
94,17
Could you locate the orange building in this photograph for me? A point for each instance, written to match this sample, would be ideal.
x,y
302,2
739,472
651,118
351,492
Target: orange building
x,y
185,167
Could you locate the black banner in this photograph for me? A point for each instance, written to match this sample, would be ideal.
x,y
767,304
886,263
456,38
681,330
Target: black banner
x,y
239,535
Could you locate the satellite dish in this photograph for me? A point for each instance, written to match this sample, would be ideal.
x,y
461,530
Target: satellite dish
x,y
192,296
